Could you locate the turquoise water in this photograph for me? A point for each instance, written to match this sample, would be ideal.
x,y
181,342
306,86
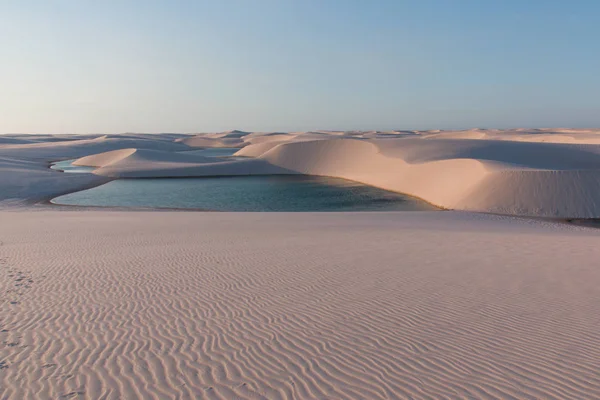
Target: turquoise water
x,y
247,193
244,193
66,166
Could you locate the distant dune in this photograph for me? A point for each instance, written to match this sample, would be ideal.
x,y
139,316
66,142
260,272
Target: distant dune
x,y
538,172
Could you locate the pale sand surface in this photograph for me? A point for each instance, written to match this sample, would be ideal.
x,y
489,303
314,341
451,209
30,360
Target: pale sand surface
x,y
416,305
266,305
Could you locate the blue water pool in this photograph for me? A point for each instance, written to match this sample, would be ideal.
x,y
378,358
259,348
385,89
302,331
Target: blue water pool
x,y
247,193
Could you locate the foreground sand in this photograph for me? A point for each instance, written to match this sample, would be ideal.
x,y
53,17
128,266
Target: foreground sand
x,y
177,305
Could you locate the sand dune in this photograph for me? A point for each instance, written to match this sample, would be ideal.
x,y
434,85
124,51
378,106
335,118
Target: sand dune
x,y
67,149
296,306
582,136
519,178
125,157
25,181
224,139
133,163
156,169
536,172
25,176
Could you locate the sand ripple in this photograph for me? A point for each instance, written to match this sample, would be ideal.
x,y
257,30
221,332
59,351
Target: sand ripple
x,y
280,306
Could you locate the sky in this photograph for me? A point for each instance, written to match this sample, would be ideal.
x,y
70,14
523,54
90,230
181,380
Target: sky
x,y
110,66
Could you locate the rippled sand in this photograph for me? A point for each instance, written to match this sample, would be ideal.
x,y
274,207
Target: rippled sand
x,y
158,305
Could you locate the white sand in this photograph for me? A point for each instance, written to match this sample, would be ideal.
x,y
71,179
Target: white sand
x,y
421,305
345,306
543,173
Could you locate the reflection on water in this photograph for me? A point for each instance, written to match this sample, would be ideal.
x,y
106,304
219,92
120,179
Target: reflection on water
x,y
248,193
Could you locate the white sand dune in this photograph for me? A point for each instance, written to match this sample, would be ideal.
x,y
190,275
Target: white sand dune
x,y
67,149
174,169
403,305
224,139
539,172
12,140
235,134
25,176
519,178
25,181
125,157
174,305
134,163
516,177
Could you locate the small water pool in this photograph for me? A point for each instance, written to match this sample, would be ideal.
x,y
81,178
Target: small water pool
x,y
245,193
67,166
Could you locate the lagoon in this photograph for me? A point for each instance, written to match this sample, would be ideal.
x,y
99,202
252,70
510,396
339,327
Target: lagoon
x,y
245,193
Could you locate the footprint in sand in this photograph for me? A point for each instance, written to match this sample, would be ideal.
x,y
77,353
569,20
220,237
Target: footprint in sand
x,y
22,283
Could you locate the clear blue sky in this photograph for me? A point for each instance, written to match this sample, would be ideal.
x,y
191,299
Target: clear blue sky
x,y
85,66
